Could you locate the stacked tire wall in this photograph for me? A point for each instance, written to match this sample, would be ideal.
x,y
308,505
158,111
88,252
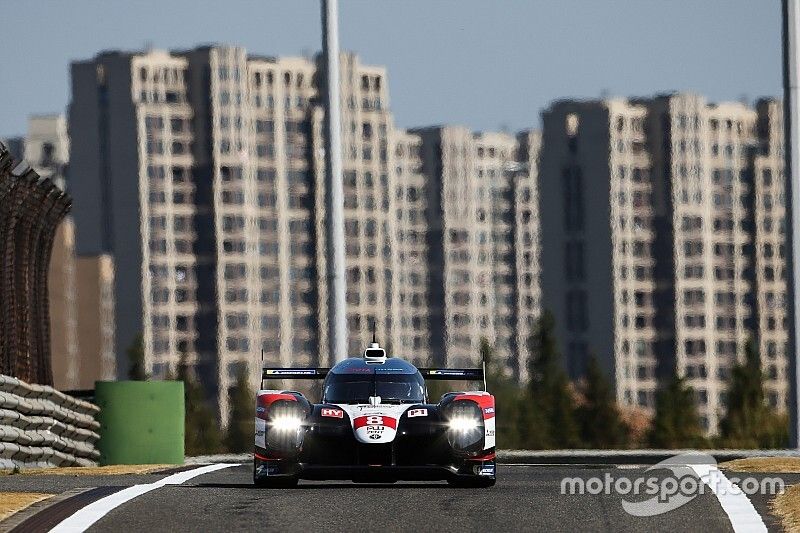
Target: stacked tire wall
x,y
40,427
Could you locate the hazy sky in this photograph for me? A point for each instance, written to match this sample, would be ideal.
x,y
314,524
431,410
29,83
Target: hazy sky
x,y
484,64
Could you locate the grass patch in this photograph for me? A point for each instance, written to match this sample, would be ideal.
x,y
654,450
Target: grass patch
x,y
786,506
13,502
767,465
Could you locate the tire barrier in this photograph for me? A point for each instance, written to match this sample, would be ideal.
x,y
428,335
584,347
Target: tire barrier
x,y
40,426
30,210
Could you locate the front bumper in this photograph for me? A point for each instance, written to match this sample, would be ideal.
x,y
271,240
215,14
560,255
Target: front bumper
x,y
466,468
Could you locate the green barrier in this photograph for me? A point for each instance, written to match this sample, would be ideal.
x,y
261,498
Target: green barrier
x,y
141,422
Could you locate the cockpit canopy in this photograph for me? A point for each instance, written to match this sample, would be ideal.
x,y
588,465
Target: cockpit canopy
x,y
355,381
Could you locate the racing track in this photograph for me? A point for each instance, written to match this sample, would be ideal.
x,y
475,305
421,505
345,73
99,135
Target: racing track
x,y
525,498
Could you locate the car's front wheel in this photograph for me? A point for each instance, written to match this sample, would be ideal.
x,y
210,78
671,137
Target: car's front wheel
x,y
277,482
471,482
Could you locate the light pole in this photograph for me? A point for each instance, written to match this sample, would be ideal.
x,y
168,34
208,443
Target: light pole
x,y
791,120
334,194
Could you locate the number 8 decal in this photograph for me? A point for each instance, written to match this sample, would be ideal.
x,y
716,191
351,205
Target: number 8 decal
x,y
374,420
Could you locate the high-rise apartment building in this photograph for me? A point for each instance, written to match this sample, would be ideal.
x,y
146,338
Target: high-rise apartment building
x,y
210,168
96,326
415,318
46,147
662,223
209,165
482,238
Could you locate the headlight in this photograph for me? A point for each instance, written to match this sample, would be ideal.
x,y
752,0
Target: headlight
x,y
287,423
465,426
463,423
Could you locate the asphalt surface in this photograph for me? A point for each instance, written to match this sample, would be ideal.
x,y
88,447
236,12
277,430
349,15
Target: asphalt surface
x,y
526,498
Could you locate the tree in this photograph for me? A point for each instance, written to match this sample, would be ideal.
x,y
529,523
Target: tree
x,y
676,423
749,422
507,397
547,415
135,353
202,434
241,424
598,417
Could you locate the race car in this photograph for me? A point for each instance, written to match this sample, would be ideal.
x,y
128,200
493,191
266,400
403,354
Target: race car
x,y
374,423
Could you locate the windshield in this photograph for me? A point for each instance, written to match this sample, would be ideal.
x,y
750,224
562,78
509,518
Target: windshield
x,y
344,388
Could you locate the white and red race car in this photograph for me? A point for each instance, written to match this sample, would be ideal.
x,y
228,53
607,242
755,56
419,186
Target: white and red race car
x,y
374,423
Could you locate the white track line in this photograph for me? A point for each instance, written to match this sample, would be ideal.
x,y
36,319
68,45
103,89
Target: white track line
x,y
84,518
740,510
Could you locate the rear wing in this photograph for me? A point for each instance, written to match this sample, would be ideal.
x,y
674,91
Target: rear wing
x,y
464,374
295,373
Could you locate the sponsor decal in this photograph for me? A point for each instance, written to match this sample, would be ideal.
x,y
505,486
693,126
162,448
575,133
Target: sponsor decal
x,y
332,413
269,469
375,421
417,412
484,469
447,373
489,410
260,409
375,410
359,370
375,432
292,372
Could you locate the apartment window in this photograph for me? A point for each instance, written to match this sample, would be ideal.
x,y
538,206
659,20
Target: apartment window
x,y
180,174
265,150
158,197
233,197
265,175
266,199
767,177
265,126
156,172
155,147
695,347
153,123
270,322
692,248
181,198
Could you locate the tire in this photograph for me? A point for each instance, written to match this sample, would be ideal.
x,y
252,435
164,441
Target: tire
x,y
277,482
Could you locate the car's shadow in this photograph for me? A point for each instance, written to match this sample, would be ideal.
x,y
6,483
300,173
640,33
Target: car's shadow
x,y
325,486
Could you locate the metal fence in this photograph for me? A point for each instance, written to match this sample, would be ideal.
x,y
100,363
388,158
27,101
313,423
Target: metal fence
x,y
30,210
40,426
